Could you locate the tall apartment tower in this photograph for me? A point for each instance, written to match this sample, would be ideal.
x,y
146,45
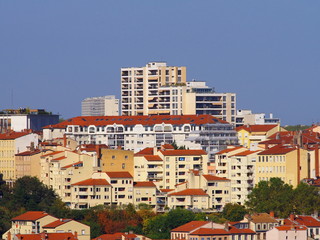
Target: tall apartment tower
x,y
100,106
141,89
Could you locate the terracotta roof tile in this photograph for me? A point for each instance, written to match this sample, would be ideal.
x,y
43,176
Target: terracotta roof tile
x,y
167,146
134,120
49,236
245,153
77,164
92,182
145,151
183,152
306,220
29,153
144,184
292,228
59,158
189,192
257,128
209,177
119,174
262,218
227,150
57,223
190,226
277,150
12,135
52,153
30,216
153,158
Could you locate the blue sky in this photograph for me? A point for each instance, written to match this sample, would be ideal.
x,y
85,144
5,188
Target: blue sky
x,y
53,54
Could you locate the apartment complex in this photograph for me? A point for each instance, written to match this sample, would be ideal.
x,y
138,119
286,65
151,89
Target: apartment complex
x,y
137,132
100,106
12,143
24,118
140,88
160,89
245,117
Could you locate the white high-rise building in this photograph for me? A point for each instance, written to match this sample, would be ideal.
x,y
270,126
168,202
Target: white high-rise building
x,y
100,106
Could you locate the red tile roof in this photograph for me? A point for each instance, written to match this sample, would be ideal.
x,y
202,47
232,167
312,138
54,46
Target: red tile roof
x,y
209,177
189,192
153,158
304,220
145,151
183,152
77,164
292,228
227,150
114,236
134,120
12,135
57,223
28,153
167,146
277,150
144,184
92,182
230,231
245,153
30,216
257,128
166,190
119,174
49,236
52,153
190,226
59,158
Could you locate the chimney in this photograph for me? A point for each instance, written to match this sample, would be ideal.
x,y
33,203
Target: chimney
x,y
9,235
317,160
64,140
272,214
226,226
291,217
75,235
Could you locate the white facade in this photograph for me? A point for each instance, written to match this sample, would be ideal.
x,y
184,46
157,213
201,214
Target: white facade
x,y
246,117
100,106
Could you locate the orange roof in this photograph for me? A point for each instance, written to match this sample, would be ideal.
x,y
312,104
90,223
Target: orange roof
x,y
257,128
114,236
245,153
144,184
209,177
49,236
190,192
77,164
166,190
167,146
304,220
277,150
52,153
189,226
119,174
153,158
230,231
292,228
28,153
12,135
30,216
134,120
92,182
59,158
57,223
187,152
145,151
227,150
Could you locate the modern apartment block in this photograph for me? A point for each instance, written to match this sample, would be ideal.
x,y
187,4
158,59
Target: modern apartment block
x,y
245,117
141,92
158,89
201,99
25,118
100,106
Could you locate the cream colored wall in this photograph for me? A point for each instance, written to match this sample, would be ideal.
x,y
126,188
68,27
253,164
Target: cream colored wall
x,y
72,226
145,192
113,160
195,202
189,103
7,159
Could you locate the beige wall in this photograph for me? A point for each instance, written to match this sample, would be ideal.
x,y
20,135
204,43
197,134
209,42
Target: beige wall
x,y
113,160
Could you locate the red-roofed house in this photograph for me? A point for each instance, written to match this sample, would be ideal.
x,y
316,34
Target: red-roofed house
x,y
168,167
68,226
47,236
312,224
250,135
145,192
238,165
298,232
12,143
28,223
286,162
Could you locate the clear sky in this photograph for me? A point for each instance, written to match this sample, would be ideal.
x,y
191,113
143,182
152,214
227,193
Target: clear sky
x,y
53,54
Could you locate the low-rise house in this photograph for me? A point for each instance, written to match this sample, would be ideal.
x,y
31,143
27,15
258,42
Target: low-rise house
x,y
298,232
312,224
46,236
261,223
145,192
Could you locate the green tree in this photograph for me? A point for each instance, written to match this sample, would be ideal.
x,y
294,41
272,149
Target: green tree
x,y
306,199
273,195
234,212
